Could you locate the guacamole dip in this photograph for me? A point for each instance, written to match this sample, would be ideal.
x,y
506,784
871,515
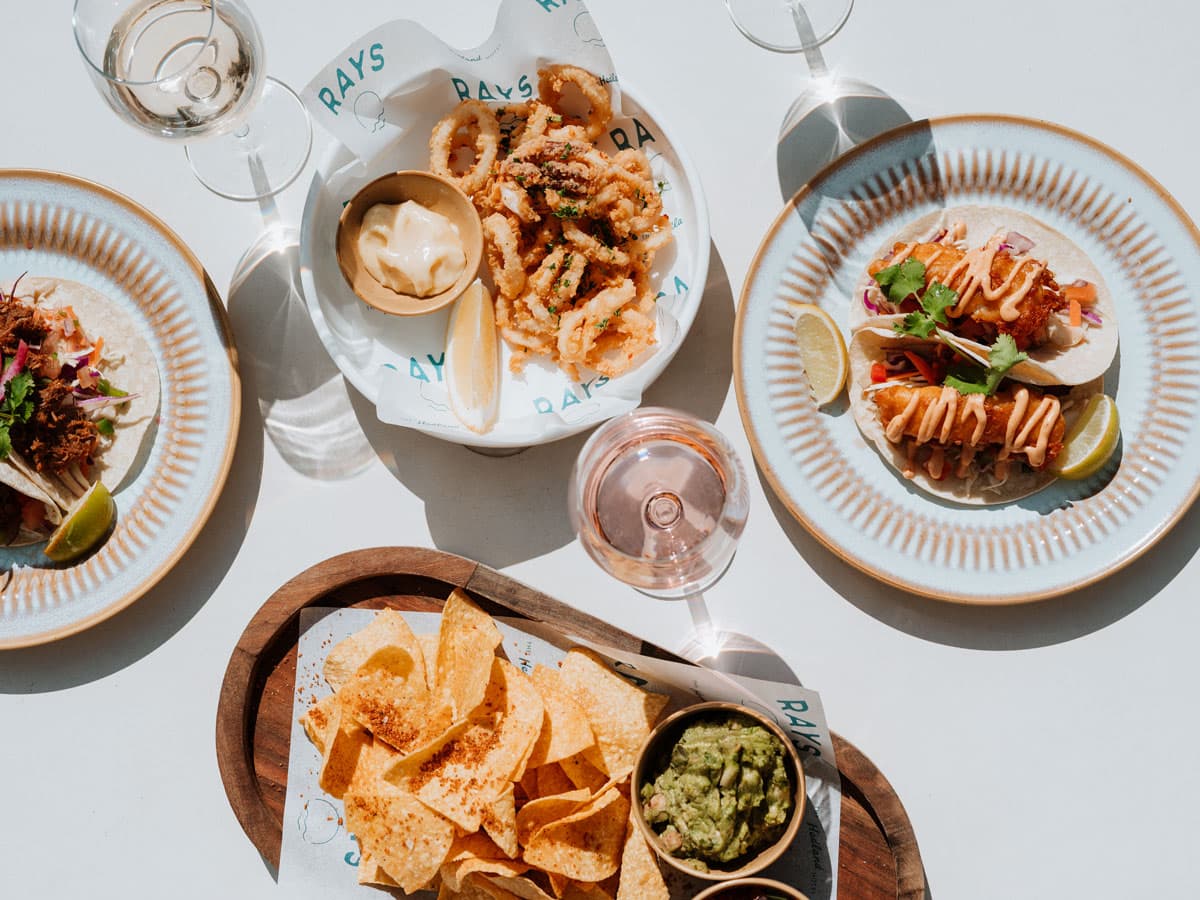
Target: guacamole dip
x,y
723,793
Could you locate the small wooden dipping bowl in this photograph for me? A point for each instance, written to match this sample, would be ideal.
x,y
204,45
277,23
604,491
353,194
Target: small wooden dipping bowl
x,y
657,748
431,191
719,891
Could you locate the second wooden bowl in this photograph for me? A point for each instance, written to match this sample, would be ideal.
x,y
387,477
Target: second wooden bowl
x,y
431,191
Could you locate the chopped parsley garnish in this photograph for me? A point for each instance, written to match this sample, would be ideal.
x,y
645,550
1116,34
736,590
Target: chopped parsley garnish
x,y
969,378
16,407
555,120
553,310
567,211
566,154
603,323
902,280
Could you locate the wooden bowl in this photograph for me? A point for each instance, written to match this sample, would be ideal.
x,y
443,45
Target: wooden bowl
x,y
717,891
659,742
431,191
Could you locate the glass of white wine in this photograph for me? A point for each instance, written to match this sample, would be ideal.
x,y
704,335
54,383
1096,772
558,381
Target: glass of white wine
x,y
192,70
659,500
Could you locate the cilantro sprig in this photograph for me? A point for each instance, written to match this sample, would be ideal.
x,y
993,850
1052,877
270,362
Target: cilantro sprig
x,y
970,378
907,279
902,280
16,407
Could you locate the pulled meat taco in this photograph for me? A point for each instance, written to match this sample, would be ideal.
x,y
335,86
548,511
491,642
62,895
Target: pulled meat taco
x,y
955,428
978,272
79,392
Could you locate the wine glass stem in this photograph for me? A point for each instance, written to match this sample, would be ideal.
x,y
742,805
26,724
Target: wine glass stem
x,y
808,39
705,635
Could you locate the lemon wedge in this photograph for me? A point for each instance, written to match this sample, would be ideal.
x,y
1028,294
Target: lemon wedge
x,y
473,360
84,527
822,352
1091,440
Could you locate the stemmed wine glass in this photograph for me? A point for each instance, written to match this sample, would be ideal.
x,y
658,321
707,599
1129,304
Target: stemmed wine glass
x,y
832,113
659,499
192,70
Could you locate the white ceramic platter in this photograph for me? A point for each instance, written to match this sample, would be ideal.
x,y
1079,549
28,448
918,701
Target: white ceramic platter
x,y
541,404
61,226
1068,535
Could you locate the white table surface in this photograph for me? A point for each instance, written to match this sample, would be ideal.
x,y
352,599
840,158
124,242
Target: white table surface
x,y
1041,751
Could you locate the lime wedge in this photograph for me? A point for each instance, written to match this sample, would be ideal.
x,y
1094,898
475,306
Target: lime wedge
x,y
473,360
1091,440
822,351
84,527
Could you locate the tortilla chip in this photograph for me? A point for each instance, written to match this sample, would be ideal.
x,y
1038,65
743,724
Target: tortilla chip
x,y
459,872
319,719
565,731
582,773
428,644
408,840
552,780
345,741
621,714
523,888
583,890
537,814
474,762
370,872
467,642
499,820
469,891
388,696
586,845
374,760
387,629
640,876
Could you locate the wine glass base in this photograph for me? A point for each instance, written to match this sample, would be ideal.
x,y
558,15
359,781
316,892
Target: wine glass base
x,y
831,115
736,654
789,26
263,155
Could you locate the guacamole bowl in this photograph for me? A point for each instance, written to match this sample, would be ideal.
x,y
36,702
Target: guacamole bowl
x,y
750,889
718,791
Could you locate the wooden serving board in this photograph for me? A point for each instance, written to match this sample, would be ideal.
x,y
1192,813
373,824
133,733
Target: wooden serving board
x,y
878,855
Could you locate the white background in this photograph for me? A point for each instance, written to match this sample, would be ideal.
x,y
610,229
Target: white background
x,y
1041,751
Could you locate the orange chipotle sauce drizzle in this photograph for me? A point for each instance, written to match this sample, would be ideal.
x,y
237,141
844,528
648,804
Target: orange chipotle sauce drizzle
x,y
973,273
950,407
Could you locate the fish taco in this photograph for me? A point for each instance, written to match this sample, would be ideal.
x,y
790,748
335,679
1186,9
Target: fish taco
x,y
977,272
79,393
957,429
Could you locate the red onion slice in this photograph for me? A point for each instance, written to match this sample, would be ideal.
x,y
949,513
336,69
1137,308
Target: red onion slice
x,y
13,369
868,304
1091,315
1019,243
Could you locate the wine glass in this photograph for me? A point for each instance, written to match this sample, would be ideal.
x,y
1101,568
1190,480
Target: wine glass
x,y
192,70
659,500
832,113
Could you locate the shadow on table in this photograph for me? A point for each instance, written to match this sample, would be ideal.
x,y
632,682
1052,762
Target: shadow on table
x,y
303,400
504,510
1019,627
153,619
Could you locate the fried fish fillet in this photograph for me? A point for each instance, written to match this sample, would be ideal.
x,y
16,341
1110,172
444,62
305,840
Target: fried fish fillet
x,y
980,320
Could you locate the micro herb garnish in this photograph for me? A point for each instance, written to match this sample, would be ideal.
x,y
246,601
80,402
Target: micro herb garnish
x,y
968,378
934,303
16,408
903,280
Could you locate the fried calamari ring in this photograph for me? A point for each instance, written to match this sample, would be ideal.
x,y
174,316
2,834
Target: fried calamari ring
x,y
551,82
483,130
504,254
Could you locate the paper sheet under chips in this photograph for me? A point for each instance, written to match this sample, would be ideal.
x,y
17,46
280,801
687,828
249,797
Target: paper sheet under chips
x,y
319,858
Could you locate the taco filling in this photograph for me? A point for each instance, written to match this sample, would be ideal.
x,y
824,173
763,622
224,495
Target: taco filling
x,y
1001,287
58,412
952,417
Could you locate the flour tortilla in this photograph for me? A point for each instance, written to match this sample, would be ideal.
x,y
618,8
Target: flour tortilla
x,y
1048,364
869,346
22,484
129,364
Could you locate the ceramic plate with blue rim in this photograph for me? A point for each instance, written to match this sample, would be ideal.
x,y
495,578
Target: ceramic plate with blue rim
x,y
396,362
1067,535
61,226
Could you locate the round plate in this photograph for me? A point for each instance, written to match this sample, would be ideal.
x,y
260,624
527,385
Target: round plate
x,y
541,405
61,226
1057,540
